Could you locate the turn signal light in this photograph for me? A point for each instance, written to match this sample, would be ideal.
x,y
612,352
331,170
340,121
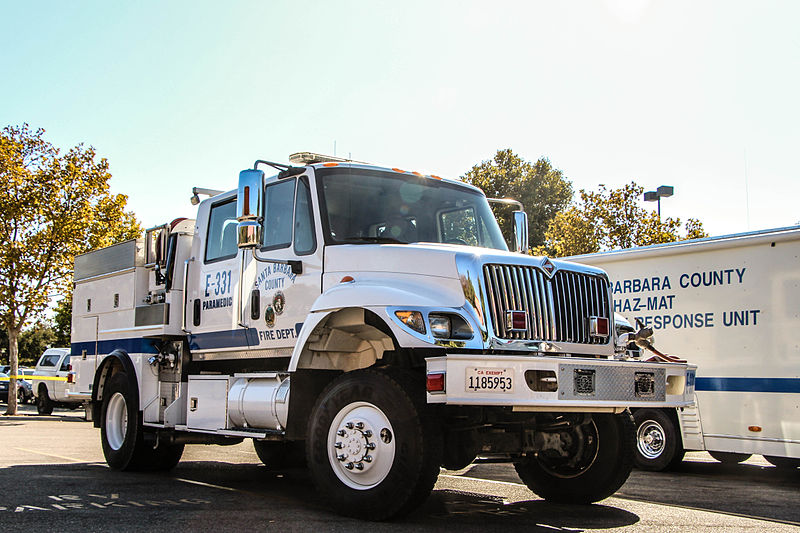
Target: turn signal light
x,y
434,382
412,319
754,429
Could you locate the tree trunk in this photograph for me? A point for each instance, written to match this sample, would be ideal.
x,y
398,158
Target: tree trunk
x,y
13,360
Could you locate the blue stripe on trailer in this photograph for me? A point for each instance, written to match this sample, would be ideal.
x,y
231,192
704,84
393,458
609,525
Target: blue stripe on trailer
x,y
748,384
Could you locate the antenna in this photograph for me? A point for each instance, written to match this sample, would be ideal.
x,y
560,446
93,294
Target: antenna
x,y
746,191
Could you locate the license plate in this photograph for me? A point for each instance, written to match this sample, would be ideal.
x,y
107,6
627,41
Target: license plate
x,y
490,379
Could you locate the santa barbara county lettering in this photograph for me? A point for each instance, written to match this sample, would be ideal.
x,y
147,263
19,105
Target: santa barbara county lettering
x,y
673,314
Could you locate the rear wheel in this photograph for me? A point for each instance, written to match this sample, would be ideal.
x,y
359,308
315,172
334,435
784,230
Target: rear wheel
x,y
373,450
730,458
593,462
658,442
783,463
44,405
122,435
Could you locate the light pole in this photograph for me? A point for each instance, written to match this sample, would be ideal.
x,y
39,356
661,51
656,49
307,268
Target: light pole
x,y
665,191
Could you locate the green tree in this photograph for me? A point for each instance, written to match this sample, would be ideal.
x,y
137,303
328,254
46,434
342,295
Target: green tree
x,y
62,321
34,341
542,189
611,219
53,206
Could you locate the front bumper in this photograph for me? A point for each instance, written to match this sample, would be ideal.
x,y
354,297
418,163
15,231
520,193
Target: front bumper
x,y
560,383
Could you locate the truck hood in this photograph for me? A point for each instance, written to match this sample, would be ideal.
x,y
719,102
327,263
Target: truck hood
x,y
428,259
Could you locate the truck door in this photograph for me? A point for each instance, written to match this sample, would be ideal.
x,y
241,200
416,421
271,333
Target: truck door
x,y
213,288
280,297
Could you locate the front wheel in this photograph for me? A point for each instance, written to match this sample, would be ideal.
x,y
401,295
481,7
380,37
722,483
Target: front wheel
x,y
658,442
593,461
372,448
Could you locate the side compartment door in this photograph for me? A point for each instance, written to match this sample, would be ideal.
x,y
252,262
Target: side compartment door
x,y
212,303
279,298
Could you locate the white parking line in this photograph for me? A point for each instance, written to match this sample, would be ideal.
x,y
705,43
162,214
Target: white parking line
x,y
72,459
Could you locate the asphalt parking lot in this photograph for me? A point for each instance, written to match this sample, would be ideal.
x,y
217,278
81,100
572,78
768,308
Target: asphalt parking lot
x,y
54,478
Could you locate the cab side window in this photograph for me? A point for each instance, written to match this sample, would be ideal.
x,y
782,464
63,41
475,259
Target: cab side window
x,y
304,241
278,204
221,242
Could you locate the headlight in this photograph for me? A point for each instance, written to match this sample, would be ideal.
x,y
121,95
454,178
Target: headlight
x,y
449,326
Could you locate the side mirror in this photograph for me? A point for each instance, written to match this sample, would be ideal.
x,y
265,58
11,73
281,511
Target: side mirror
x,y
521,232
249,208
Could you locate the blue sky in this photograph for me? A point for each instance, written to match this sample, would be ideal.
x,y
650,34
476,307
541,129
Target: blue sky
x,y
699,95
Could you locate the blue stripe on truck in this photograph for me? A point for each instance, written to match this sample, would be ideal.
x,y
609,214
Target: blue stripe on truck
x,y
238,338
748,384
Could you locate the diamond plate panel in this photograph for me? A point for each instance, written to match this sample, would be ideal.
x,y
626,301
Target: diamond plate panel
x,y
610,383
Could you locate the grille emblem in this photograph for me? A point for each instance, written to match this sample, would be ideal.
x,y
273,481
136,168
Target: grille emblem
x,y
548,266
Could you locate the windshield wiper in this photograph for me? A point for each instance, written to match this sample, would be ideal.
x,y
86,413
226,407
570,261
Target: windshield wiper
x,y
365,240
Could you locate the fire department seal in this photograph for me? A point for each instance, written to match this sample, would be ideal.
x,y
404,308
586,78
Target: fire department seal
x,y
269,316
278,302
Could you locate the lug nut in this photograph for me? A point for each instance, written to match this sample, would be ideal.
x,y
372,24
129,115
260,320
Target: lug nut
x,y
349,425
341,457
368,433
349,466
367,458
341,433
359,466
359,425
338,445
370,446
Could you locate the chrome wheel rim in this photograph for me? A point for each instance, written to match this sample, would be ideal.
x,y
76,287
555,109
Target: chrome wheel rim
x,y
361,445
650,439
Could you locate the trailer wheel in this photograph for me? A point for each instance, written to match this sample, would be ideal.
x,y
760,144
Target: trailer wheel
x,y
600,458
280,454
122,435
729,458
44,405
783,463
372,448
658,441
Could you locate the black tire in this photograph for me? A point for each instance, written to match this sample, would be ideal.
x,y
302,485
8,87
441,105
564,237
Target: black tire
x,y
277,455
658,441
783,463
378,421
21,398
730,458
603,458
44,405
122,435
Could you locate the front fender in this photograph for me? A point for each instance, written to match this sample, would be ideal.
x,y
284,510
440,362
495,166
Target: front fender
x,y
378,296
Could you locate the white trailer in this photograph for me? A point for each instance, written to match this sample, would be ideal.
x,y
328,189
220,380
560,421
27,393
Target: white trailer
x,y
369,320
730,305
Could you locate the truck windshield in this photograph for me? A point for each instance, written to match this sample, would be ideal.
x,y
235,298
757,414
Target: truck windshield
x,y
370,206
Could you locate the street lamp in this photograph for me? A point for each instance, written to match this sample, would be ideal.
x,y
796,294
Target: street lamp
x,y
665,191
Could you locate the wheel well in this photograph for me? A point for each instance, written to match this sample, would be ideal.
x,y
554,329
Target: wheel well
x,y
346,340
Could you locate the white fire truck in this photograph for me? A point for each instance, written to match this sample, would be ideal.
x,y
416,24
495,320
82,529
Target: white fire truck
x,y
370,322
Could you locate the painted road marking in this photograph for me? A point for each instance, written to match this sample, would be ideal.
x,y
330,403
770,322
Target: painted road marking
x,y
52,455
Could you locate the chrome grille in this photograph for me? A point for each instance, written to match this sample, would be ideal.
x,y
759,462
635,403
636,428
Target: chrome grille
x,y
558,308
